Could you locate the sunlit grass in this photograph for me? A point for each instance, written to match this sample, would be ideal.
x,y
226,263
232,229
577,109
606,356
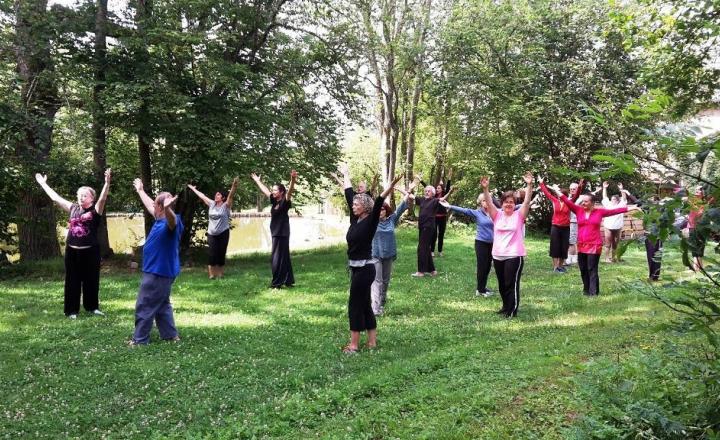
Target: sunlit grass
x,y
257,362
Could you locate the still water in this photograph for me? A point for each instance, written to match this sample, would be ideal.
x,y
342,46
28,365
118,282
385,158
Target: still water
x,y
248,234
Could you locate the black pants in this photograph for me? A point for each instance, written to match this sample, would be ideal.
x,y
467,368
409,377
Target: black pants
x,y
652,247
282,271
589,272
82,274
217,248
425,260
483,256
360,312
559,241
508,274
440,226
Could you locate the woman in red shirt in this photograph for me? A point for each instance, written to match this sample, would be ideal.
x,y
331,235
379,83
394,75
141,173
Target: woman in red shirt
x,y
589,241
559,231
696,240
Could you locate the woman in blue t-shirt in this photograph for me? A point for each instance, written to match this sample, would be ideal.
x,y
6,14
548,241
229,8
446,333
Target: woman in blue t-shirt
x,y
281,201
82,251
218,232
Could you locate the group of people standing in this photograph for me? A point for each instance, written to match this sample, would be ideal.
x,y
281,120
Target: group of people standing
x,y
372,248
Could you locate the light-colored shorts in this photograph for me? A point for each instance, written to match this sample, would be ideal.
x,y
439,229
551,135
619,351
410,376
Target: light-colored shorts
x,y
573,233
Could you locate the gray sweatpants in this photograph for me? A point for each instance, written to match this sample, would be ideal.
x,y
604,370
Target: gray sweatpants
x,y
378,290
153,304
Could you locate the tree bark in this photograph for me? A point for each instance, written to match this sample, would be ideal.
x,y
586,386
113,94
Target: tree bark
x,y
98,123
37,233
144,138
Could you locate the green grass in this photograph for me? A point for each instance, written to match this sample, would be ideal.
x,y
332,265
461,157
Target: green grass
x,y
256,362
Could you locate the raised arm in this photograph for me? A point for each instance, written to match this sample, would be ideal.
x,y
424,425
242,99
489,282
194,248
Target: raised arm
x,y
100,204
345,171
391,187
146,200
291,189
400,210
231,194
202,196
492,210
545,190
263,189
525,207
447,194
169,213
605,198
55,197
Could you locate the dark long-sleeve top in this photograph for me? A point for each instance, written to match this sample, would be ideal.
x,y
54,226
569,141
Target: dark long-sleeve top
x,y
361,232
441,211
428,209
384,244
561,212
482,220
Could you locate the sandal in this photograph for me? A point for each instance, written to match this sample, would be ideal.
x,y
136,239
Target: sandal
x,y
370,347
349,350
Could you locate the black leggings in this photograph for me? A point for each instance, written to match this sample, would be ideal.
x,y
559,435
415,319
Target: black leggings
x,y
508,274
483,256
217,248
589,272
559,241
82,273
425,261
440,226
360,312
282,271
652,247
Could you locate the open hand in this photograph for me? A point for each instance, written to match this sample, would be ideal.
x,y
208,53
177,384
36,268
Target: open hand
x,y
108,175
528,178
40,178
293,175
605,184
255,177
484,181
137,183
236,180
444,203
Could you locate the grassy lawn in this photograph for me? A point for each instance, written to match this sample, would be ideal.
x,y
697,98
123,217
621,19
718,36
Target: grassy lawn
x,y
256,362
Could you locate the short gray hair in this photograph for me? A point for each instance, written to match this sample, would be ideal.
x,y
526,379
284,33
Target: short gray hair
x,y
431,188
88,189
365,201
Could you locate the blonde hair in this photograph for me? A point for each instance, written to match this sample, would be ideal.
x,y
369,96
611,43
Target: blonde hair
x,y
88,189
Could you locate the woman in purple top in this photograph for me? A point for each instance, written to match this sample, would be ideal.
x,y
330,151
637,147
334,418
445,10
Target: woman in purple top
x,y
281,201
82,252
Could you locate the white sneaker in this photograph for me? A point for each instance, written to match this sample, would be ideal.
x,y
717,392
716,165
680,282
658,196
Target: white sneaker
x,y
98,312
73,316
488,293
432,254
477,293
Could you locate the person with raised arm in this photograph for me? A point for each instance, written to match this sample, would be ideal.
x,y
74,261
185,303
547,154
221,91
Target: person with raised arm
x,y
589,241
218,232
426,224
441,216
508,249
575,189
161,265
483,241
364,219
82,250
384,252
281,201
559,231
613,224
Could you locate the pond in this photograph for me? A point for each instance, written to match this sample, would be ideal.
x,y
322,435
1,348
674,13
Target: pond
x,y
248,234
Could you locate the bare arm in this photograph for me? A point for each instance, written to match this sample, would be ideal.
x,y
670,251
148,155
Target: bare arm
x,y
231,194
604,190
100,204
345,171
525,207
169,214
263,189
443,198
55,197
391,187
291,189
144,198
202,196
492,210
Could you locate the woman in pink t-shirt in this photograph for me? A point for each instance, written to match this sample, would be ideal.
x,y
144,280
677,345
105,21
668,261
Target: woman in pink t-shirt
x,y
589,241
508,249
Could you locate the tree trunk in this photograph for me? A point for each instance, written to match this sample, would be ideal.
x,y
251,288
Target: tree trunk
x,y
142,14
98,123
37,234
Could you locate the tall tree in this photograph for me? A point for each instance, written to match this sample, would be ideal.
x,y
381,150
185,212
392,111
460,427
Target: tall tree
x,y
39,104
